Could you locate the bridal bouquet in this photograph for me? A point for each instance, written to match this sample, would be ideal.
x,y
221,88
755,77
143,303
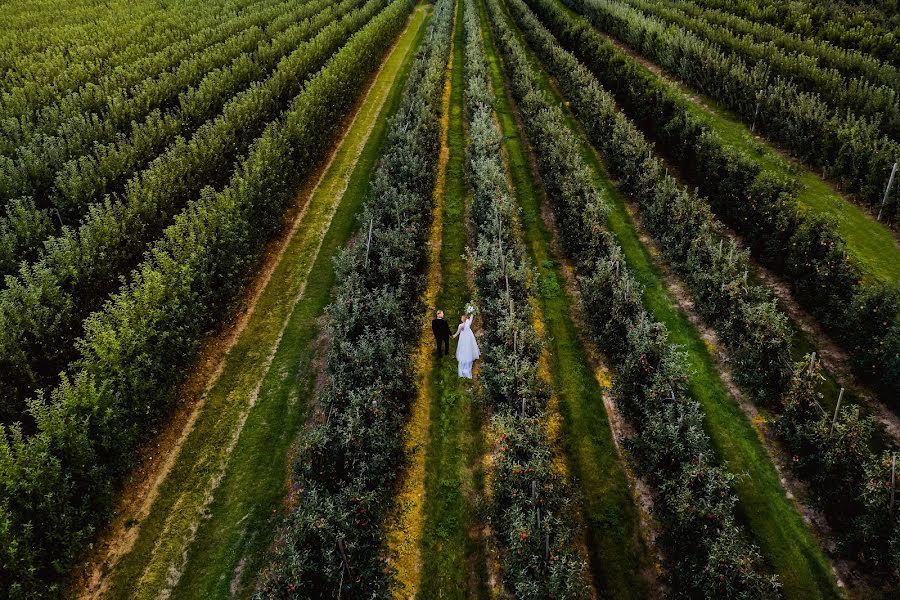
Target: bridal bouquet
x,y
471,309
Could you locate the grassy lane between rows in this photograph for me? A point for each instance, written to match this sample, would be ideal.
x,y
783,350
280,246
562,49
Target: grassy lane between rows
x,y
452,553
616,551
787,544
217,508
870,242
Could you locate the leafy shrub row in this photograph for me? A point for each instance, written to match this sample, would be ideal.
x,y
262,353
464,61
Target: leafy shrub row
x,y
851,149
531,507
57,486
39,62
69,187
695,502
804,247
333,543
835,463
850,480
862,26
864,98
851,63
32,170
42,310
139,78
755,331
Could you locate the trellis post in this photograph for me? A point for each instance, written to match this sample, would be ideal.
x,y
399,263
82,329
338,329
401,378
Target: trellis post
x,y
755,114
369,241
893,479
340,545
836,410
887,191
58,216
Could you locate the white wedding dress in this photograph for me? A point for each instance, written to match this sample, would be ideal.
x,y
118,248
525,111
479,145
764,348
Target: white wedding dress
x,y
466,349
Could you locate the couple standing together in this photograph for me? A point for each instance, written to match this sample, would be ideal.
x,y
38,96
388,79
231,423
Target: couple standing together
x,y
466,349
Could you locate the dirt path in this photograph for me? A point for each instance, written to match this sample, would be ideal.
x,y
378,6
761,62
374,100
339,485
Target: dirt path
x,y
453,561
232,372
405,529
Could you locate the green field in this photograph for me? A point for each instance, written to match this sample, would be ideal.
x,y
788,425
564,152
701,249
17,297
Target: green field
x,y
226,226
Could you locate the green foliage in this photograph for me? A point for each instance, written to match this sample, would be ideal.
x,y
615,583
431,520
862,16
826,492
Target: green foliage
x,y
531,509
850,481
746,317
853,149
875,100
56,485
851,63
754,330
333,542
872,26
39,107
43,309
805,248
711,555
75,166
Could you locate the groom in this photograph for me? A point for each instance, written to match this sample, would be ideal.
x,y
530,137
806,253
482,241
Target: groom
x,y
441,332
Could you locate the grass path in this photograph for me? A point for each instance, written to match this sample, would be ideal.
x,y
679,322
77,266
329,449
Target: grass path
x,y
617,554
214,515
870,242
452,553
785,541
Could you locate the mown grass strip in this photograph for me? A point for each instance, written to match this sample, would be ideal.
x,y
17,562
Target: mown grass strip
x,y
453,565
238,526
615,549
786,542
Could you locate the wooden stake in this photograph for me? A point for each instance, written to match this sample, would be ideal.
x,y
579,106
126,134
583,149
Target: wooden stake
x,y
755,113
516,357
893,479
887,191
58,216
533,490
340,545
369,243
836,410
547,546
812,361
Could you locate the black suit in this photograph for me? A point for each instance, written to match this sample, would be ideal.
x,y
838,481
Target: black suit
x,y
441,332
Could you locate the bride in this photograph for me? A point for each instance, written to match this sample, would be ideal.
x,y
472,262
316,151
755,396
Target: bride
x,y
467,348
